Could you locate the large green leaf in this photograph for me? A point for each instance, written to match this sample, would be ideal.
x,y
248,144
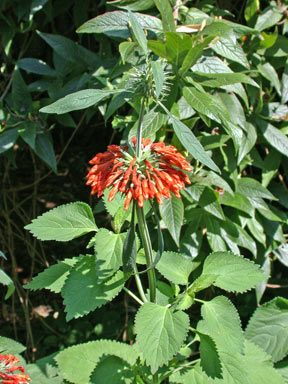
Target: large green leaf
x,y
222,323
78,100
64,223
78,362
116,24
191,143
53,278
193,375
269,17
232,272
268,328
252,188
10,346
160,333
152,122
274,137
172,213
83,292
112,370
108,248
166,11
36,66
230,51
215,80
166,266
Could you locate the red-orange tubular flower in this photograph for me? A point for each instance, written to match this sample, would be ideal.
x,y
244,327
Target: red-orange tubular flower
x,y
156,173
7,371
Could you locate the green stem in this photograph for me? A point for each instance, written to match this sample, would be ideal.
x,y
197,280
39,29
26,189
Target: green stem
x,y
146,242
139,285
133,296
139,129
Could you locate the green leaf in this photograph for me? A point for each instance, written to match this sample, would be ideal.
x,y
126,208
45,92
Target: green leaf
x,y
159,76
269,17
28,133
191,143
193,375
222,323
8,139
215,80
152,122
166,11
44,149
210,361
270,74
209,201
160,333
70,50
130,250
172,213
78,362
230,51
10,346
237,201
259,367
108,248
179,275
21,97
6,280
53,278
78,100
138,32
112,370
83,292
64,223
247,142
268,328
133,5
37,66
250,12
115,24
274,137
192,56
284,84
234,273
253,189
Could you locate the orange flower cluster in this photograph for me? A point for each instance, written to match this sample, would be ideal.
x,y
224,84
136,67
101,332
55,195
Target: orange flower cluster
x,y
8,367
157,173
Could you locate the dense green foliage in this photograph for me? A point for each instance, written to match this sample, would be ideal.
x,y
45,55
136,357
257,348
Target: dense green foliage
x,y
214,77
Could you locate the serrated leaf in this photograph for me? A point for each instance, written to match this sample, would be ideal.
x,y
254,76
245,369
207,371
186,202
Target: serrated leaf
x,y
172,213
112,370
268,328
222,323
78,100
53,278
108,249
64,223
191,143
10,346
116,24
160,333
210,361
179,275
193,375
234,272
83,292
259,367
78,362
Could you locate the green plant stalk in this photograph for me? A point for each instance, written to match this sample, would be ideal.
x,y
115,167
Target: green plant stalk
x,y
146,242
139,128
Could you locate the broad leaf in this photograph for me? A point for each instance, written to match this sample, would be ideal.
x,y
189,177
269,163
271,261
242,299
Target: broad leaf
x,y
172,213
209,356
78,100
166,11
112,370
274,137
179,275
83,292
44,149
78,362
269,17
222,323
36,66
160,333
8,139
230,51
53,278
10,346
193,375
152,122
268,328
253,189
64,223
233,272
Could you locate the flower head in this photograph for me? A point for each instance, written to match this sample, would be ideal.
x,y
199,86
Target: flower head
x,y
156,173
8,367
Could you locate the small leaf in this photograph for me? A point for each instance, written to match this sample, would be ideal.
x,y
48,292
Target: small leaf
x,y
172,213
160,333
53,278
8,139
78,100
268,328
64,223
6,280
274,137
138,32
158,75
78,362
210,361
179,275
21,97
191,143
166,11
44,149
130,251
83,292
10,346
